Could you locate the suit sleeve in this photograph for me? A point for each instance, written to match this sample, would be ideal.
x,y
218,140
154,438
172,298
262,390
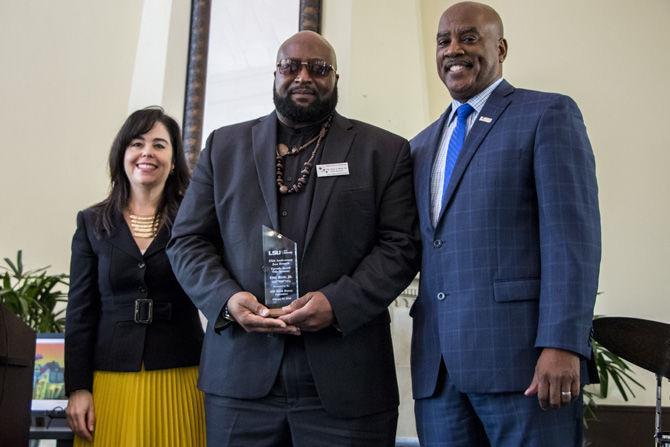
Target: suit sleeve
x,y
393,261
82,313
195,248
569,222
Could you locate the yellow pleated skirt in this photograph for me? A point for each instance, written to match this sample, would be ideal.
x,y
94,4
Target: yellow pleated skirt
x,y
147,409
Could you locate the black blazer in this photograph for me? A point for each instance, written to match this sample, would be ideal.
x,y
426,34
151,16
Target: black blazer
x,y
107,275
361,249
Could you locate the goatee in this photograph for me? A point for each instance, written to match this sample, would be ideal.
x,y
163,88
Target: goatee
x,y
313,113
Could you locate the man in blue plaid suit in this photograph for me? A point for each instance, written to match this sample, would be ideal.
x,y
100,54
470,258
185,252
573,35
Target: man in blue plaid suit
x,y
507,198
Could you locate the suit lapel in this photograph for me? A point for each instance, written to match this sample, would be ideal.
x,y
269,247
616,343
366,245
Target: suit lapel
x,y
264,142
494,107
159,243
335,150
122,239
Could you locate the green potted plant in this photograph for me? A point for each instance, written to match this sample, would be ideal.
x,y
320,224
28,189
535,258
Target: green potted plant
x,y
33,295
611,369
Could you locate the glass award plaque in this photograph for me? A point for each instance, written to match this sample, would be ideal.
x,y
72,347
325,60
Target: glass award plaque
x,y
280,264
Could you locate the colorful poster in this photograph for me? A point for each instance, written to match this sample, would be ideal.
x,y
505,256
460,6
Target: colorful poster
x,y
48,380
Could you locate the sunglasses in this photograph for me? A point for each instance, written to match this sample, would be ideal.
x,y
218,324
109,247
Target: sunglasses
x,y
316,67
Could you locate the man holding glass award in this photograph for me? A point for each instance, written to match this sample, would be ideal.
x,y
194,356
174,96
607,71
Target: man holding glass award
x,y
296,233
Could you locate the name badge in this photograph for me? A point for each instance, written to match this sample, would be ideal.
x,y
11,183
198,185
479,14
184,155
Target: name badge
x,y
332,169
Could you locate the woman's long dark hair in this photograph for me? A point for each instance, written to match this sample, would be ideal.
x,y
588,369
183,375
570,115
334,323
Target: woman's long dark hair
x,y
137,124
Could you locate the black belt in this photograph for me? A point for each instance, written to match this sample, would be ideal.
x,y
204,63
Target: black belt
x,y
15,361
141,311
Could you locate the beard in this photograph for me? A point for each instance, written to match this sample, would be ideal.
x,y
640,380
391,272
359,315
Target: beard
x,y
313,113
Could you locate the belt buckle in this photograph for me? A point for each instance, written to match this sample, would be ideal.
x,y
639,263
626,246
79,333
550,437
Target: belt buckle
x,y
144,311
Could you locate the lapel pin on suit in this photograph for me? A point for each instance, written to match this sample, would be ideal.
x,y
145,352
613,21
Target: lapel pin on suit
x,y
485,119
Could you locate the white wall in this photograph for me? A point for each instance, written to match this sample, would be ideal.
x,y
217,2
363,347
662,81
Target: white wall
x,y
382,70
66,87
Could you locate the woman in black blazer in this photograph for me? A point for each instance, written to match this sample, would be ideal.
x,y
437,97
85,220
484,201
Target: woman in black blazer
x,y
132,336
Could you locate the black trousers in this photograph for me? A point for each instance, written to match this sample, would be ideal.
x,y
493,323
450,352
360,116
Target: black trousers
x,y
292,415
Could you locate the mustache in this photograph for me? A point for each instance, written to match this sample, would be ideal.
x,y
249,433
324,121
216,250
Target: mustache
x,y
448,63
302,89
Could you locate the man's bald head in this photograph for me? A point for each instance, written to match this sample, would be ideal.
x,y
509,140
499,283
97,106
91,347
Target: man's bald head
x,y
488,14
311,43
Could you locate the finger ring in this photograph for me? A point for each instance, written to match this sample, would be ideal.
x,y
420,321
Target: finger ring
x,y
566,393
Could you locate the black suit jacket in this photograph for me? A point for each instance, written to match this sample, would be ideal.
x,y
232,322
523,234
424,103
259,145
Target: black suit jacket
x,y
361,250
107,275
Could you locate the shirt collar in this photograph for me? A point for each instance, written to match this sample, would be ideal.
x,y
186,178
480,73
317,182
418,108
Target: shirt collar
x,y
477,102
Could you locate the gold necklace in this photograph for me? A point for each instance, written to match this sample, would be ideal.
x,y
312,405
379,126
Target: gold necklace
x,y
145,227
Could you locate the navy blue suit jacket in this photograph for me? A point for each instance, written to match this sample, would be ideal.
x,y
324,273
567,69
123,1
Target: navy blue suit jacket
x,y
512,265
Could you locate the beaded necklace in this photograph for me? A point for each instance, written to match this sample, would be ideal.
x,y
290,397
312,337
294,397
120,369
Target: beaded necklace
x,y
283,151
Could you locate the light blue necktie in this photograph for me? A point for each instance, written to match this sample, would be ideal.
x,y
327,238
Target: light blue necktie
x,y
456,144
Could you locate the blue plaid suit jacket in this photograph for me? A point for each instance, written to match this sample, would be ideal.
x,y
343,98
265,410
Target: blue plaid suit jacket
x,y
512,264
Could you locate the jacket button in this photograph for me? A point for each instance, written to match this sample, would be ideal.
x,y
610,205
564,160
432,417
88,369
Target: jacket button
x,y
141,265
441,296
437,243
142,289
